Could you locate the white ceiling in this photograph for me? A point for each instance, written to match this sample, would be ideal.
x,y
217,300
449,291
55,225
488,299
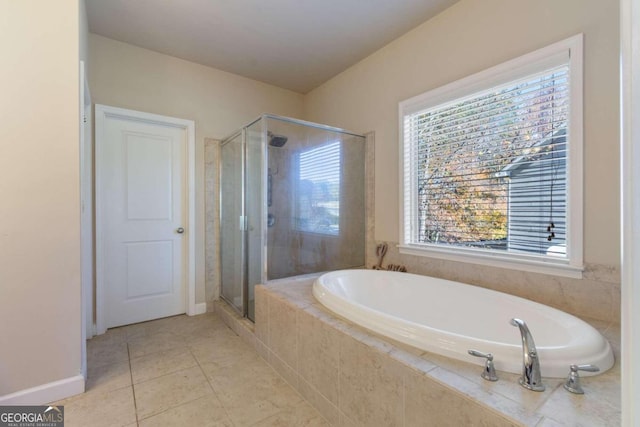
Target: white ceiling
x,y
293,44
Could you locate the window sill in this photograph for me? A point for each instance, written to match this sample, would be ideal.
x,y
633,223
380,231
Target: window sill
x,y
528,263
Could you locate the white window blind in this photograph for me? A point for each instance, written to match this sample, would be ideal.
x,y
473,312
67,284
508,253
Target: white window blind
x,y
318,190
489,169
492,165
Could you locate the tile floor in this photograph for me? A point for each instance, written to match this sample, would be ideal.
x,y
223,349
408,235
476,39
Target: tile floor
x,y
182,371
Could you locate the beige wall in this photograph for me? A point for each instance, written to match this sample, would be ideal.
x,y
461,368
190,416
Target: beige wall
x,y
126,76
39,188
469,37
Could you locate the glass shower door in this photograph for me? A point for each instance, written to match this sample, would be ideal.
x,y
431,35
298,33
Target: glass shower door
x,y
232,236
255,202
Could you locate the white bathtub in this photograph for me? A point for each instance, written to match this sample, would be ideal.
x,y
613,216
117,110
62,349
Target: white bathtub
x,y
449,318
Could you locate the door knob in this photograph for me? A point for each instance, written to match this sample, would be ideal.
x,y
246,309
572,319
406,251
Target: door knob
x,y
180,230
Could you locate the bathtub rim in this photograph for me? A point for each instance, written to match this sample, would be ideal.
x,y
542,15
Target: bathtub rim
x,y
422,337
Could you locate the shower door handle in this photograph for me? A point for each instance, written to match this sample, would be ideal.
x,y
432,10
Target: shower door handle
x,y
243,223
180,230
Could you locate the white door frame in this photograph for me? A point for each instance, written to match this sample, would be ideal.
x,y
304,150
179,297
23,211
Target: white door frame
x,y
103,112
86,215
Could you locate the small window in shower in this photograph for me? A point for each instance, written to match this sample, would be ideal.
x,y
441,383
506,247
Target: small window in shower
x,y
318,190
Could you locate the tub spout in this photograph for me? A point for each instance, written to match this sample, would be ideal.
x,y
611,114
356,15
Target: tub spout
x,y
531,378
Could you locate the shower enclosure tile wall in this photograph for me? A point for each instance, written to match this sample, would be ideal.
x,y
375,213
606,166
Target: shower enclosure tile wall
x,y
231,246
292,202
212,219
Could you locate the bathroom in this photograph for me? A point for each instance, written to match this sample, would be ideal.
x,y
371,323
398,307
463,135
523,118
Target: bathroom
x,y
465,38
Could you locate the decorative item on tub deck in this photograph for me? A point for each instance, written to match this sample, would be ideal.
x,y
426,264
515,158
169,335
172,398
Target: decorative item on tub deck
x,y
381,251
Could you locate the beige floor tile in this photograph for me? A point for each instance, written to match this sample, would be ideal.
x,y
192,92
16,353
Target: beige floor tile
x,y
301,415
252,413
251,393
102,408
237,380
104,352
200,332
215,335
139,330
155,343
203,412
187,327
226,349
186,371
108,377
250,408
113,336
146,329
197,326
162,393
158,364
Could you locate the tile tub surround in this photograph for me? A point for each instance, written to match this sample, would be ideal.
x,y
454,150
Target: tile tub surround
x,y
354,377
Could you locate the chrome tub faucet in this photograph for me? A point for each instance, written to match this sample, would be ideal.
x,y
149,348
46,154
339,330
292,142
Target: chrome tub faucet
x,y
531,378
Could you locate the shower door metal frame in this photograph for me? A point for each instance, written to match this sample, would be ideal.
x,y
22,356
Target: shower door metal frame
x,y
243,222
244,217
303,123
262,218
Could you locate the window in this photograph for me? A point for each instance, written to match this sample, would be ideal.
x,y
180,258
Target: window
x,y
492,165
318,190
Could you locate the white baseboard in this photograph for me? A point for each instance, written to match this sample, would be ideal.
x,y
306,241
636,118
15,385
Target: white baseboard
x,y
199,309
45,393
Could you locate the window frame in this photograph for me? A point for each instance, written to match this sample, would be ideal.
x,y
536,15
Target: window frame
x,y
569,51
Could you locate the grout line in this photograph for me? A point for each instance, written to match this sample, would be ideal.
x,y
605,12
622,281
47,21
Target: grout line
x,y
133,390
163,375
322,396
272,355
213,390
188,349
169,408
269,362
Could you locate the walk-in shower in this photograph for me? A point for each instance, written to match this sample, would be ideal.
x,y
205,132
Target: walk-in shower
x,y
292,201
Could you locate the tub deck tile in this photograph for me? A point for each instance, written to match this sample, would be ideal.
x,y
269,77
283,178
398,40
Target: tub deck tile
x,y
383,382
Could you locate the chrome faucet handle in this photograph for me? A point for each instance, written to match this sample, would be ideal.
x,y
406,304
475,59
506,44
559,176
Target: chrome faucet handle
x,y
489,372
573,381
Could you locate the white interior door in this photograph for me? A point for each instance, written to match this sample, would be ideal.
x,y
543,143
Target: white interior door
x,y
142,217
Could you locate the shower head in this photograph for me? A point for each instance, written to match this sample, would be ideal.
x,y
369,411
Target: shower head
x,y
276,140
